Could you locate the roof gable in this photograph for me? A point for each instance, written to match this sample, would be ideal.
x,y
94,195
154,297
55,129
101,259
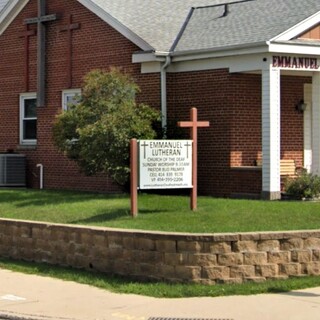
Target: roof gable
x,y
312,34
9,9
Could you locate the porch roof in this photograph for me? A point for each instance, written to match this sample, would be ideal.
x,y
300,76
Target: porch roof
x,y
243,23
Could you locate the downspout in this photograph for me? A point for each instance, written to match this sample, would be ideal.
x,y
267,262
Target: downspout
x,y
164,92
41,175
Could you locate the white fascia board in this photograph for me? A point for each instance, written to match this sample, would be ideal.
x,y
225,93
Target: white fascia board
x,y
240,63
298,29
140,57
151,67
295,49
220,52
116,24
9,12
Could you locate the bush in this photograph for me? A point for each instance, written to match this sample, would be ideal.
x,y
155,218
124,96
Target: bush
x,y
305,186
96,132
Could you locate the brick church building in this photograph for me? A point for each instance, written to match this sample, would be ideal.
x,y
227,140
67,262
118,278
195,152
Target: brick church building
x,y
252,68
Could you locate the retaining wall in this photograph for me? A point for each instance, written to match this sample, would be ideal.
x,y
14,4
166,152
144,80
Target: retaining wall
x,y
175,257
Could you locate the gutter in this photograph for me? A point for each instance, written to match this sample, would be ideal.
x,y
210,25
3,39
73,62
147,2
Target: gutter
x,y
163,73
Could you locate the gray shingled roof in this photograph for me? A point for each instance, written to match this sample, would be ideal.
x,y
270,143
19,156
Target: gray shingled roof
x,y
185,25
157,22
246,23
3,3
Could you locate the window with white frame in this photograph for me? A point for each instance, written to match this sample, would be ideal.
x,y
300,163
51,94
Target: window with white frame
x,y
70,97
28,118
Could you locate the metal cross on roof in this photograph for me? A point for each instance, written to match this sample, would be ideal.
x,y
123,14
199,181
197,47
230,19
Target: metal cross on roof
x,y
40,20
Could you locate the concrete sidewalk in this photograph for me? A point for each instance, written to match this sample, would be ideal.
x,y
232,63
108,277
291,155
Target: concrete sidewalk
x,y
33,297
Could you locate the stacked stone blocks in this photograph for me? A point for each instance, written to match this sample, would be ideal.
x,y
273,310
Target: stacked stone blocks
x,y
173,257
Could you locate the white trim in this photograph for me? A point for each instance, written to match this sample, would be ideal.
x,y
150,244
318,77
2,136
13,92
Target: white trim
x,y
295,48
10,12
316,124
299,28
307,124
116,24
23,97
271,130
254,62
68,92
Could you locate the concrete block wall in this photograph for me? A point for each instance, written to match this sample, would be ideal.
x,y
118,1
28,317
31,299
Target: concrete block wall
x,y
174,257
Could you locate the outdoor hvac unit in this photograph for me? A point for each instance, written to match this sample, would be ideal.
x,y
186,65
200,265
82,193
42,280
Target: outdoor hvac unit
x,y
12,170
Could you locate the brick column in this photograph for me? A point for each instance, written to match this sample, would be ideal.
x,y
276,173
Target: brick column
x,y
271,134
316,124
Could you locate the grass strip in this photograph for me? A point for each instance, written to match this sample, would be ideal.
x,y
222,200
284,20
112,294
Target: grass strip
x,y
157,289
159,212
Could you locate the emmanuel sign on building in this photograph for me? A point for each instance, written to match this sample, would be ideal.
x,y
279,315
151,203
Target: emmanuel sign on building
x,y
244,64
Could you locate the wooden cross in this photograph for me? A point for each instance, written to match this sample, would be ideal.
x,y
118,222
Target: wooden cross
x,y
40,20
26,34
194,124
69,28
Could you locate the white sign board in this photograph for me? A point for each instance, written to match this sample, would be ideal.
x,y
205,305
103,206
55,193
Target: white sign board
x,y
165,164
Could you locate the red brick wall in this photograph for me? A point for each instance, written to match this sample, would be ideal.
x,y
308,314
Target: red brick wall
x,y
232,104
95,45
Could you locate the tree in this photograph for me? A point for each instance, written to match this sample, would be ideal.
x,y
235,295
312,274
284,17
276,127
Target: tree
x,y
96,132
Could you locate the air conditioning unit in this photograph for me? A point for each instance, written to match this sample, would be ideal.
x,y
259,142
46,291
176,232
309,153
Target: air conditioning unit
x,y
12,170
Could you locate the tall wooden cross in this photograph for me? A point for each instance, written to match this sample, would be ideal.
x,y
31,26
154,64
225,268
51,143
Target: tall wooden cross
x,y
69,28
26,35
194,124
40,20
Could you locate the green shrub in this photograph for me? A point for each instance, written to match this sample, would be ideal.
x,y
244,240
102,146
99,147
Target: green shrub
x,y
305,186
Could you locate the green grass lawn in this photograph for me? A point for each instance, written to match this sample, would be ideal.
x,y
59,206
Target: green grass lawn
x,y
164,213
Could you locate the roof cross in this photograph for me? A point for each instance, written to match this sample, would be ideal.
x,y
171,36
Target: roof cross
x,y
40,20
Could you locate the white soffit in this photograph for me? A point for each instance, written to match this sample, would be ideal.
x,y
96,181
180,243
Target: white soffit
x,y
9,13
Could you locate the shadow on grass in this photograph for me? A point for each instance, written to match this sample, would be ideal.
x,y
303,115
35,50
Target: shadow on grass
x,y
25,198
113,215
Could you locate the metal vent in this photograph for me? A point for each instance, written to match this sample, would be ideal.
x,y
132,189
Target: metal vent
x,y
12,170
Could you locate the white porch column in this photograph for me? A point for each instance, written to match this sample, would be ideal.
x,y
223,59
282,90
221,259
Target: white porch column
x,y
271,189
307,127
316,124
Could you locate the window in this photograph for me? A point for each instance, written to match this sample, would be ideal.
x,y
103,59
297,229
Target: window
x,y
28,118
69,97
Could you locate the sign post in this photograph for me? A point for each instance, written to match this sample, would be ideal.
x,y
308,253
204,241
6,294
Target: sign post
x,y
166,164
134,177
193,124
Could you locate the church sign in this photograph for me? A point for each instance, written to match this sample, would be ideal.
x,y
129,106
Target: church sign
x,y
289,62
165,164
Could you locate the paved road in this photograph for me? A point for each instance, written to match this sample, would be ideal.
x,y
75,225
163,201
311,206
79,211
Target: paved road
x,y
40,298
